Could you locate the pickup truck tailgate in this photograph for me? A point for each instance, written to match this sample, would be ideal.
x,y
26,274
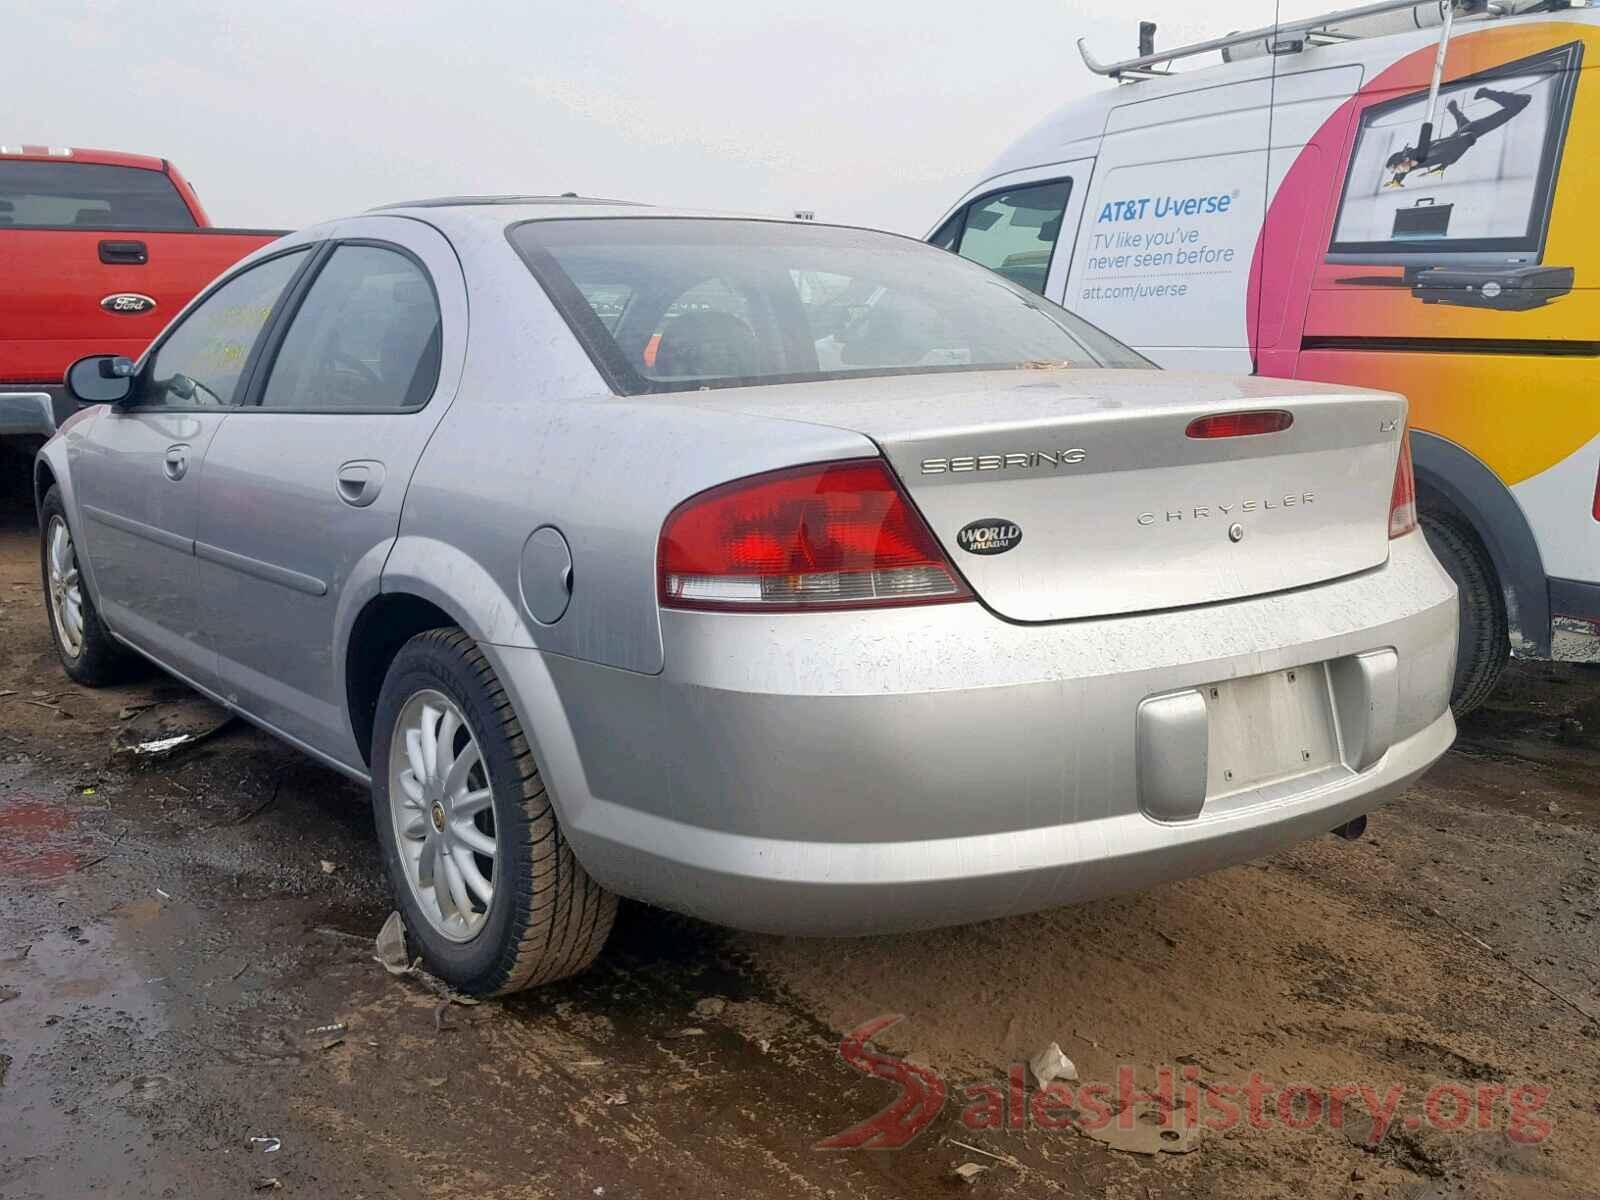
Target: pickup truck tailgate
x,y
69,292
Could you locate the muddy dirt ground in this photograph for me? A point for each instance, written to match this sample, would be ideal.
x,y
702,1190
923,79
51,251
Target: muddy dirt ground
x,y
174,935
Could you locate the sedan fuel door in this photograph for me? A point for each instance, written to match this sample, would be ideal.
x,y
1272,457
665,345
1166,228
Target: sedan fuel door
x,y
302,494
136,468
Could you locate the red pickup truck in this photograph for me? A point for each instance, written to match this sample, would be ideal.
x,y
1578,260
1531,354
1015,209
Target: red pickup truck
x,y
98,251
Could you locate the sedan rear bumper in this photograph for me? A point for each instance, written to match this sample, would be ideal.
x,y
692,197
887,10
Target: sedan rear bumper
x,y
845,773
843,888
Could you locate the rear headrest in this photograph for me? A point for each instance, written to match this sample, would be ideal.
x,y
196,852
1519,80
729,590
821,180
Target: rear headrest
x,y
708,343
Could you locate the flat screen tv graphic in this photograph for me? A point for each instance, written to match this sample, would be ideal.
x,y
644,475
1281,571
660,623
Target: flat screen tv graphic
x,y
1467,221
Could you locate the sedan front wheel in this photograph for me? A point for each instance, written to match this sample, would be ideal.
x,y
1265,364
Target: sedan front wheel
x,y
88,652
491,892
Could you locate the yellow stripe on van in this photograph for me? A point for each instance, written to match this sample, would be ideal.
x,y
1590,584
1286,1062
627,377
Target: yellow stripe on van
x,y
1519,414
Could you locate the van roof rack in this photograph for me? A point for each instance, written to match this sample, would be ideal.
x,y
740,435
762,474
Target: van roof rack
x,y
1289,36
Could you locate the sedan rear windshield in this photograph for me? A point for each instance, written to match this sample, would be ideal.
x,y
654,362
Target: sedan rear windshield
x,y
50,195
667,304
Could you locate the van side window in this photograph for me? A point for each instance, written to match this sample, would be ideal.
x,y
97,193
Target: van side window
x,y
1014,231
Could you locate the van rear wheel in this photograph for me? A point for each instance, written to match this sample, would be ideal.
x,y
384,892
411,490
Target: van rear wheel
x,y
1485,641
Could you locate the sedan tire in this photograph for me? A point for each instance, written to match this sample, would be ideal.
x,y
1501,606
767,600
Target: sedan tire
x,y
489,888
88,652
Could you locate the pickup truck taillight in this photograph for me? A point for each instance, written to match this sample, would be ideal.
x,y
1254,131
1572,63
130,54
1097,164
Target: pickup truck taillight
x,y
831,535
1403,502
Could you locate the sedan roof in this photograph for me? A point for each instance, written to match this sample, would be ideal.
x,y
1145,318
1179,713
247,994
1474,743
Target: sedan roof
x,y
567,198
502,211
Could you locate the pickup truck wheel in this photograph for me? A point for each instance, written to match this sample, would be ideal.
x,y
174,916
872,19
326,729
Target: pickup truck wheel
x,y
490,891
1485,642
88,652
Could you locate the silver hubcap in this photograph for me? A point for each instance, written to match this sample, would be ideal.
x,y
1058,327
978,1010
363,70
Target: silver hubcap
x,y
441,804
66,590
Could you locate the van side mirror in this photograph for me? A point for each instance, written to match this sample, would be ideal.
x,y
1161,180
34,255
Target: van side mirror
x,y
101,379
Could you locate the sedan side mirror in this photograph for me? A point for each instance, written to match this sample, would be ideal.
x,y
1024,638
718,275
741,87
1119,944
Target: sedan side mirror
x,y
101,379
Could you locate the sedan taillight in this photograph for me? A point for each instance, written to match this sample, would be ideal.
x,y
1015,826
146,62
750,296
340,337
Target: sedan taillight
x,y
831,535
1403,501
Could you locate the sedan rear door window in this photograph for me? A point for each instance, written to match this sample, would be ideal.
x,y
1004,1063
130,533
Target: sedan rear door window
x,y
366,338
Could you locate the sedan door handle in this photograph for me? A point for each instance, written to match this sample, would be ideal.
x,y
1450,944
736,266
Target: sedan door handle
x,y
360,481
176,462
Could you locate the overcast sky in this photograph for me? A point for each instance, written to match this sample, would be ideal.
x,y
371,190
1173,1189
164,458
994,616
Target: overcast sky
x,y
879,112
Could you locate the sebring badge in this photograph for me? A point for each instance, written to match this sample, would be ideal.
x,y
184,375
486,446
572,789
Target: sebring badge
x,y
131,303
992,535
1025,460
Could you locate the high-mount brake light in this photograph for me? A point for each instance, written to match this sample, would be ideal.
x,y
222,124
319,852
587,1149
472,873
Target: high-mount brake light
x,y
1403,501
1240,424
830,535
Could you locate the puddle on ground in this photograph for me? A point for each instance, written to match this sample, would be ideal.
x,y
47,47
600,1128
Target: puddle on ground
x,y
42,838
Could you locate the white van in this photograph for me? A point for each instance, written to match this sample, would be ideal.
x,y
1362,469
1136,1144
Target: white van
x,y
1283,212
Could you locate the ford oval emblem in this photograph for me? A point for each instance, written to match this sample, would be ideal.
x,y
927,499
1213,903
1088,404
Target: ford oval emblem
x,y
992,535
131,303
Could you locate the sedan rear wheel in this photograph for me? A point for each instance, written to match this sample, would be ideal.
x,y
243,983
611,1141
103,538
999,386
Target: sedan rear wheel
x,y
443,811
492,896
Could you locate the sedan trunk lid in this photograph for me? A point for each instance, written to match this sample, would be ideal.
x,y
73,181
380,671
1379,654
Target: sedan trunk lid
x,y
1076,493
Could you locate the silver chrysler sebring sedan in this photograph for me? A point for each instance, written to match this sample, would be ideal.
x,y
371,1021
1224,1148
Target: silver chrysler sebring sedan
x,y
796,577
